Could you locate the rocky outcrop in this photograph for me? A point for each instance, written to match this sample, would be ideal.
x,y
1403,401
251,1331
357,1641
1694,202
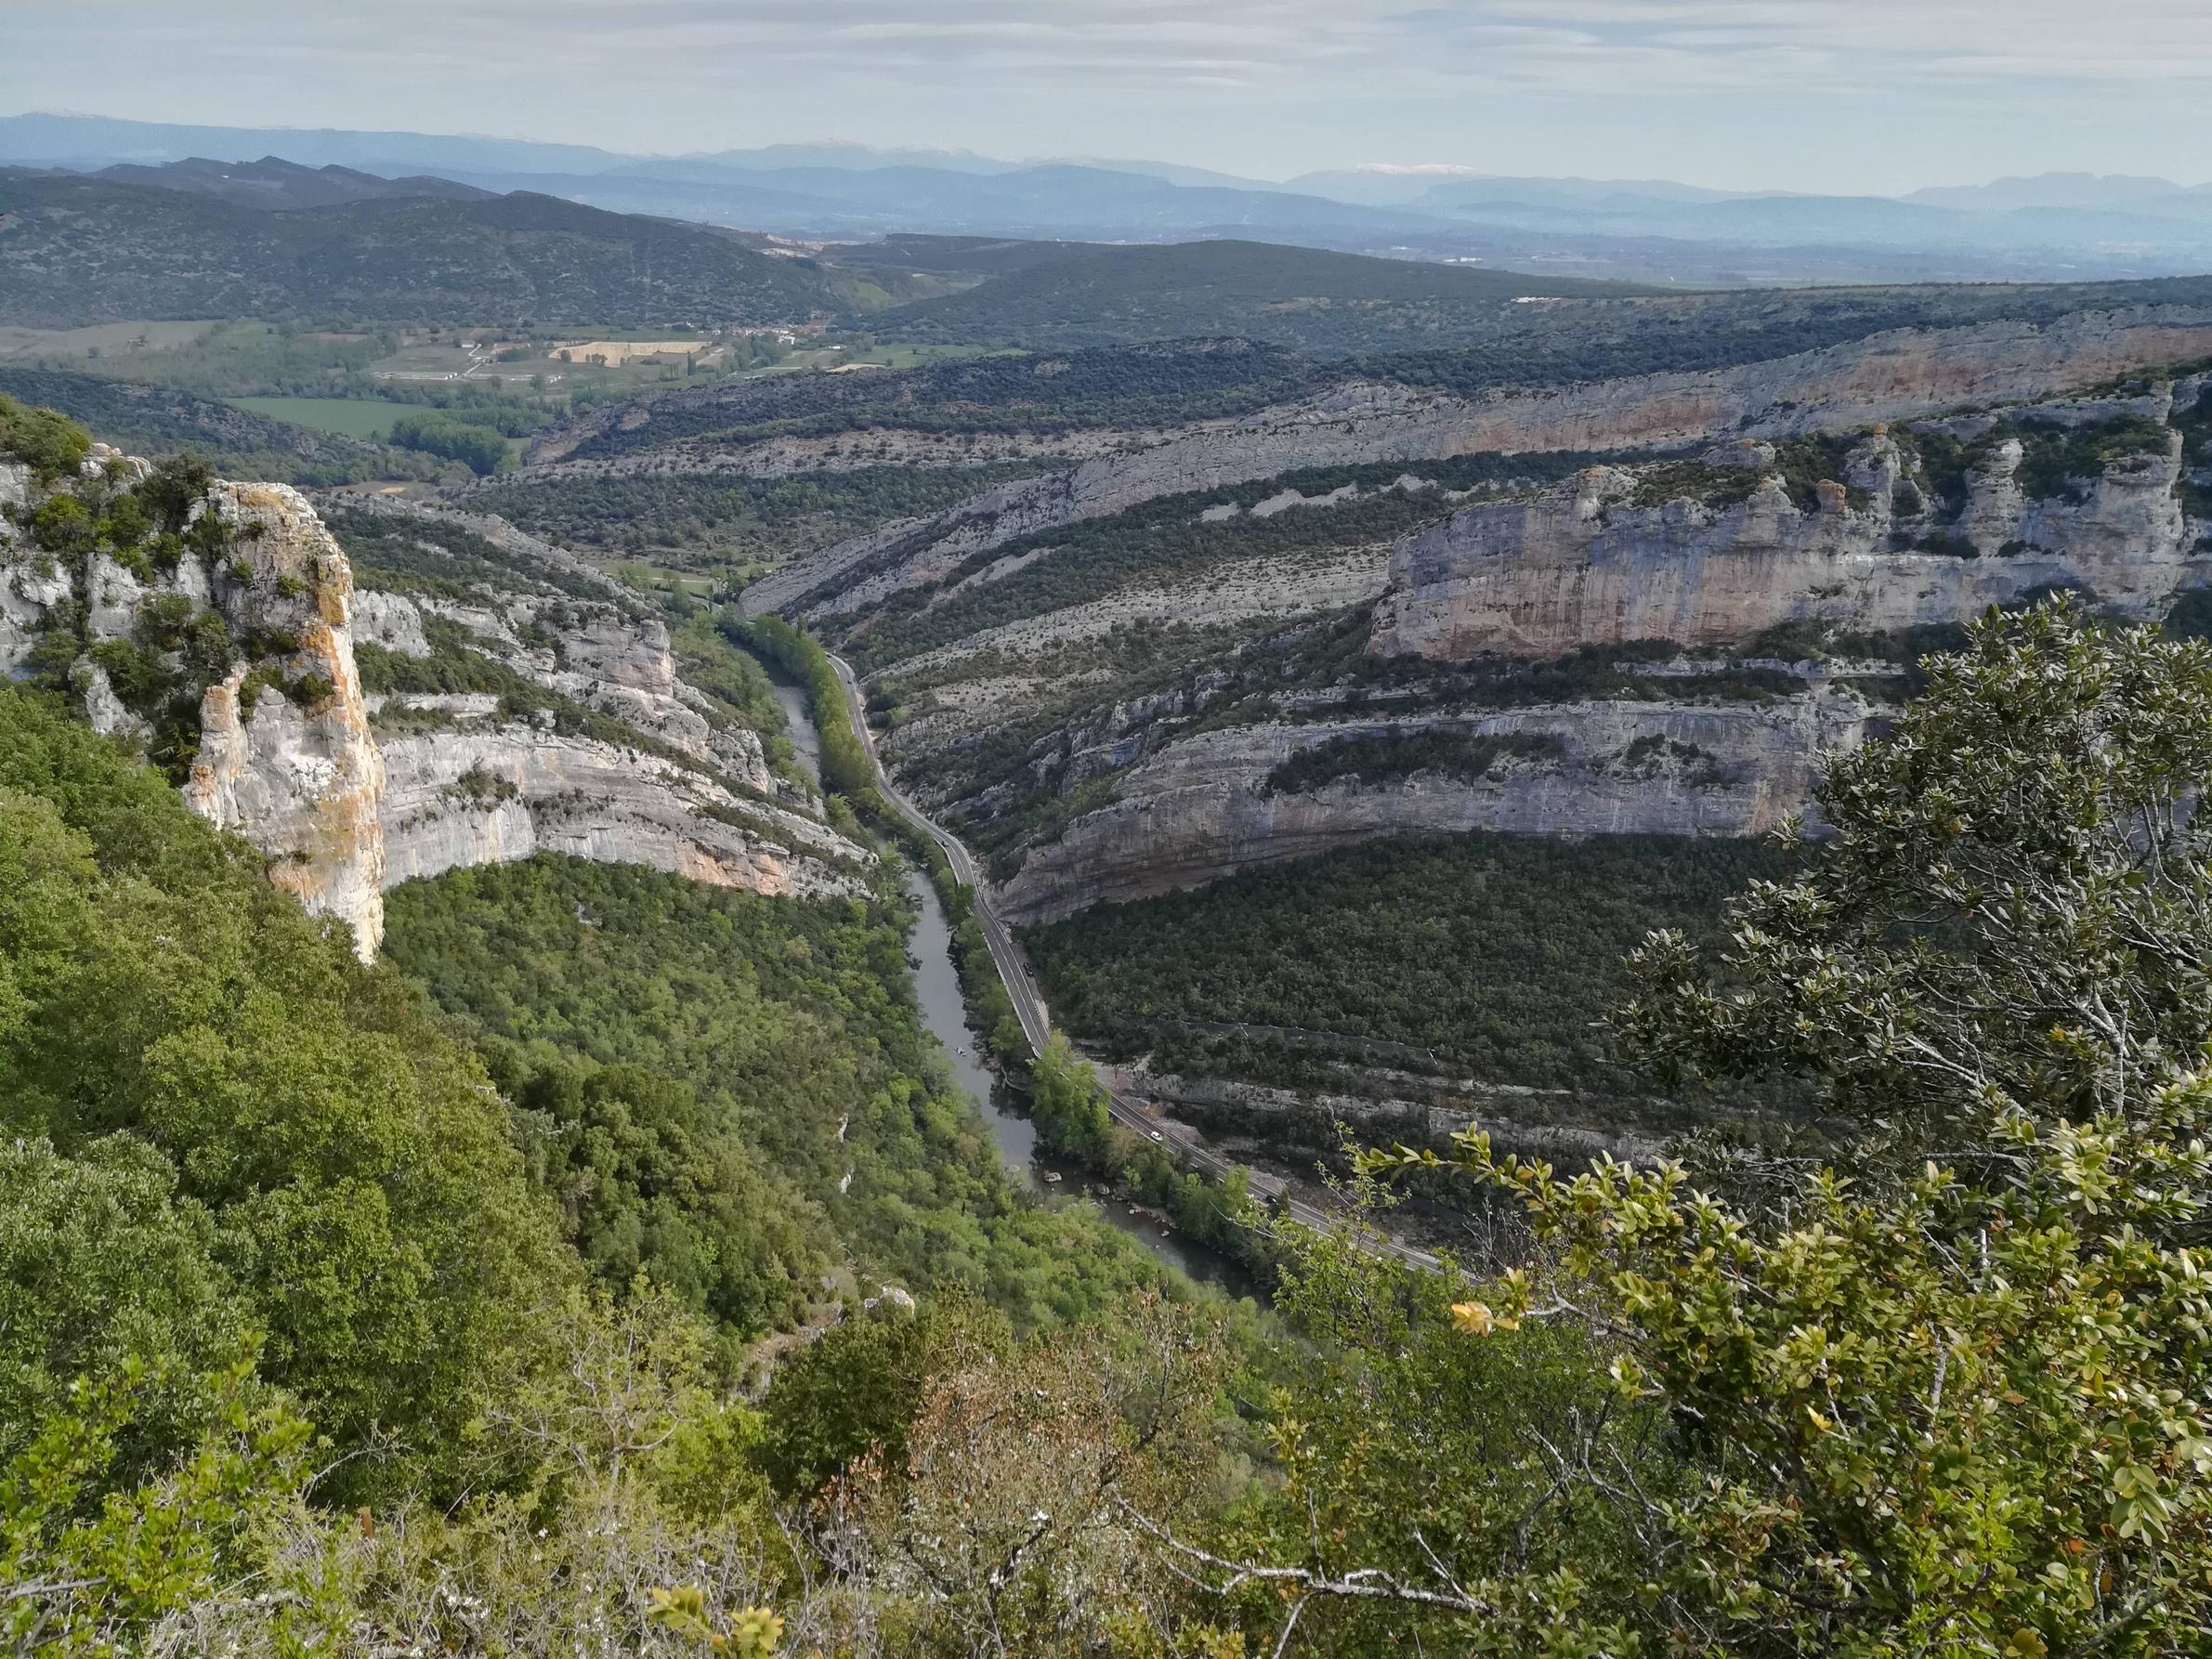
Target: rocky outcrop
x,y
507,790
1201,807
290,755
604,657
1890,376
1585,564
286,758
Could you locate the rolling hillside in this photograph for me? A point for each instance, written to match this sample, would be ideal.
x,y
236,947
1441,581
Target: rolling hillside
x,y
1337,304
76,251
157,419
273,184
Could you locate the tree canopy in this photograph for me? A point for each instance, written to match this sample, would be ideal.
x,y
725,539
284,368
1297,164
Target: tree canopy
x,y
1946,1392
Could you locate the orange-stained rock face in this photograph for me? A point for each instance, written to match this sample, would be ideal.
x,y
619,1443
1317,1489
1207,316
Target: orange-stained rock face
x,y
289,758
303,777
298,774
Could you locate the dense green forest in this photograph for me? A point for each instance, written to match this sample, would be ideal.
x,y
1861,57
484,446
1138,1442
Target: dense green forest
x,y
1597,340
788,1035
441,558
1311,300
87,250
1416,324
1498,955
745,524
324,1334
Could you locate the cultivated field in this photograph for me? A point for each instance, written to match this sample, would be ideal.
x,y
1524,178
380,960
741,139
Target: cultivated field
x,y
354,417
101,340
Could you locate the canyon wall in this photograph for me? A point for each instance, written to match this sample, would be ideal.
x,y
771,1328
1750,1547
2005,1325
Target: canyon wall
x,y
1585,564
1923,523
502,791
1889,376
1201,806
292,756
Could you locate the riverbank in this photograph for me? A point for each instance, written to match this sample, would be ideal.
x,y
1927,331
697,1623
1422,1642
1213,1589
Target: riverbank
x,y
964,1003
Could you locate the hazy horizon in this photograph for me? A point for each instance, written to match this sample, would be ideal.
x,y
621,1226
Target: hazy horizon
x,y
1766,94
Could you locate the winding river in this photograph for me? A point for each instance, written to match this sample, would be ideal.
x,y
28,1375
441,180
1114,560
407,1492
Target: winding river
x,y
944,1011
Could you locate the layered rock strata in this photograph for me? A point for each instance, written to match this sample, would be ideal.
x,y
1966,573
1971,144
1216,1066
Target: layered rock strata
x,y
501,792
1201,807
1890,377
289,756
1585,564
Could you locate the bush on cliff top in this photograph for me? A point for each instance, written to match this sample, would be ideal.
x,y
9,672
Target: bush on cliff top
x,y
48,442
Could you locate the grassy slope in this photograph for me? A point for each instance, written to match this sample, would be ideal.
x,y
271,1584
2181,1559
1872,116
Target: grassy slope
x,y
349,417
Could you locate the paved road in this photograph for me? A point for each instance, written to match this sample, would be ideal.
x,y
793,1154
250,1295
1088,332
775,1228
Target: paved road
x,y
1030,1004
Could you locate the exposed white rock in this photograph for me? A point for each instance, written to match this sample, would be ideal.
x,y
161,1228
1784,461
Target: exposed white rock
x,y
459,797
288,758
1896,375
1582,565
1199,808
102,706
391,621
31,585
1282,501
301,782
15,491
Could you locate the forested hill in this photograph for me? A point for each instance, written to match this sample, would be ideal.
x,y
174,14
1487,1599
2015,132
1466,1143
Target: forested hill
x,y
1514,327
1127,386
1303,298
1155,365
75,251
158,419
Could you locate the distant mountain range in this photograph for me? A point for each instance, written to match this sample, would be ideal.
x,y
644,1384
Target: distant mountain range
x,y
274,184
274,240
2055,226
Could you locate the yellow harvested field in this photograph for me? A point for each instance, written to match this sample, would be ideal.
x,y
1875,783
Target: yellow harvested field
x,y
617,352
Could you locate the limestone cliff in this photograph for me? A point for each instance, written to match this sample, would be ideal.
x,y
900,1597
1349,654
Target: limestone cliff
x,y
1890,377
1598,561
1155,780
496,793
234,640
1202,807
285,756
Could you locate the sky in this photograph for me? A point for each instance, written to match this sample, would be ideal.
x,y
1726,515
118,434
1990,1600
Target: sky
x,y
1846,96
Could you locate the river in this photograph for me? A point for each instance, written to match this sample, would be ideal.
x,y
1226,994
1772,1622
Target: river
x,y
945,1012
